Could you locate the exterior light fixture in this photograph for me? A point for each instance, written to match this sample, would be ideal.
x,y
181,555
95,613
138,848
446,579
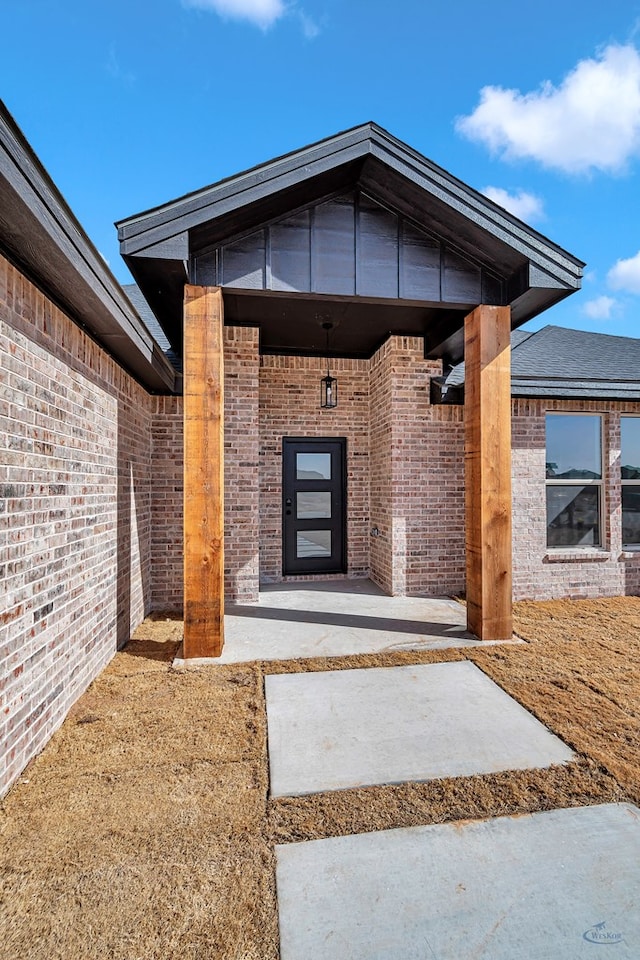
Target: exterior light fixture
x,y
328,384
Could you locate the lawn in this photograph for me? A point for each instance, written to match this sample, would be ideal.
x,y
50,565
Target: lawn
x,y
144,830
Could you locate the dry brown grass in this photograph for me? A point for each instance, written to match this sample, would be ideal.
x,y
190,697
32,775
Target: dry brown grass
x,y
144,830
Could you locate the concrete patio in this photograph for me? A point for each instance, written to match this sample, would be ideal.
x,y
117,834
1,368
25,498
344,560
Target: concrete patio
x,y
335,618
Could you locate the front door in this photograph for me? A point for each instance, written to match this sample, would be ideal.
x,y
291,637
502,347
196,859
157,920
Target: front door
x,y
314,506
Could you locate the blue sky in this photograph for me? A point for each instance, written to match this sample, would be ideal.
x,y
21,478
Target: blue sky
x,y
130,104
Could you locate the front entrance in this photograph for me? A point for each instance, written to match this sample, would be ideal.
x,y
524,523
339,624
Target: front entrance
x,y
314,505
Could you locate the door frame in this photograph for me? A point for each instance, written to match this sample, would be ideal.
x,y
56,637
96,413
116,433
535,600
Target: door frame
x,y
342,565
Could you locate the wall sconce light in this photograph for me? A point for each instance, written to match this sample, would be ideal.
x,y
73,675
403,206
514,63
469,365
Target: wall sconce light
x,y
328,384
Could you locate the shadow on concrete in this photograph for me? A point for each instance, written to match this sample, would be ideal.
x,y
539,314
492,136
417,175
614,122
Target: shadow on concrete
x,y
349,620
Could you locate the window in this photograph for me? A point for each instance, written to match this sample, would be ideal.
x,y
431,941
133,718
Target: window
x,y
574,480
630,471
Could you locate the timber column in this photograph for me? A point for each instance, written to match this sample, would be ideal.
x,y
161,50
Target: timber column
x,y
487,414
203,387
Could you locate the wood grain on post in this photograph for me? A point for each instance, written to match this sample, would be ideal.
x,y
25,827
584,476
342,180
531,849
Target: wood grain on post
x,y
487,414
203,380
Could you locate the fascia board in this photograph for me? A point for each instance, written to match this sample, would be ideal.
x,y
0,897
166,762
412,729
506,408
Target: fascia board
x,y
43,210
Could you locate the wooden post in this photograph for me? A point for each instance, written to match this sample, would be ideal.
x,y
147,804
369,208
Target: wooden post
x,y
203,386
487,413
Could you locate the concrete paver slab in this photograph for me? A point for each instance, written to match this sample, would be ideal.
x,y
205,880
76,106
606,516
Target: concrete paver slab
x,y
336,618
349,728
557,885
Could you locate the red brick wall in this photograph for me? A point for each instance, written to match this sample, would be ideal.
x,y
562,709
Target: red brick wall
x,y
91,495
381,479
406,477
290,407
242,533
75,555
241,463
167,512
417,481
540,573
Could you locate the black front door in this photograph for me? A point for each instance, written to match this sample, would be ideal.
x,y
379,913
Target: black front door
x,y
314,506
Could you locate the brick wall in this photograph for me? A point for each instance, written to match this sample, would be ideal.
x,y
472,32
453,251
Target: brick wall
x,y
241,463
417,482
290,407
75,552
539,573
288,390
405,476
167,511
381,482
241,363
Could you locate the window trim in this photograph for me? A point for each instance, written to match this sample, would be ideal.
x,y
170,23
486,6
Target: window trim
x,y
627,545
564,482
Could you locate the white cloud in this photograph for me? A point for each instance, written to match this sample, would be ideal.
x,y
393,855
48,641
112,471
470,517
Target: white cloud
x,y
262,13
524,205
590,122
600,308
310,28
625,275
115,69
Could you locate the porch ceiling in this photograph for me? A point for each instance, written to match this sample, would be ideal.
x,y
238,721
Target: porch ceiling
x,y
162,245
292,324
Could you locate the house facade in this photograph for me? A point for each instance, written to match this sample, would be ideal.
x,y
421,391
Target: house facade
x,y
165,446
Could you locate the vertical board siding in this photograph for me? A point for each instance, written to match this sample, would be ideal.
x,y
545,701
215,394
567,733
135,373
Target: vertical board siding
x,y
244,262
291,253
378,258
333,268
348,246
419,266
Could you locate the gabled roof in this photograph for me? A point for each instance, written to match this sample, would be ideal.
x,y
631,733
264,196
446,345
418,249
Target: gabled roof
x,y
567,364
158,244
151,322
40,234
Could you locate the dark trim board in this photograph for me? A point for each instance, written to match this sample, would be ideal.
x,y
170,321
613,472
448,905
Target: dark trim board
x,y
42,237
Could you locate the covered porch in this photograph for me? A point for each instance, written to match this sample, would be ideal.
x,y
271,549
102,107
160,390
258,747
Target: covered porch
x,y
354,251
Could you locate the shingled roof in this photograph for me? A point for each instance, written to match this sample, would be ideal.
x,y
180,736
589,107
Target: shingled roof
x,y
565,364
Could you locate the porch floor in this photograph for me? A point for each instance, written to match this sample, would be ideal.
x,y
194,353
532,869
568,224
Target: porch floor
x,y
335,618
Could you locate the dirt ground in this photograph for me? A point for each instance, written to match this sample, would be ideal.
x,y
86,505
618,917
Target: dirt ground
x,y
144,830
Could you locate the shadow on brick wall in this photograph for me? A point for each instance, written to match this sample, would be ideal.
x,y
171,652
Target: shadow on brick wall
x,y
133,519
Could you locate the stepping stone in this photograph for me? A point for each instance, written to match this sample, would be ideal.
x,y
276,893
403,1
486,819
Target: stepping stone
x,y
350,728
557,885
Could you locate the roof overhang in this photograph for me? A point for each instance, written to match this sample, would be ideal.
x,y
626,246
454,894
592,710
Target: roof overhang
x,y
158,244
39,233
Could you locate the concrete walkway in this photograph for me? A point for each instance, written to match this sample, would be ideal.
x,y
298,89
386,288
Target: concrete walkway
x,y
350,728
562,883
559,885
336,618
